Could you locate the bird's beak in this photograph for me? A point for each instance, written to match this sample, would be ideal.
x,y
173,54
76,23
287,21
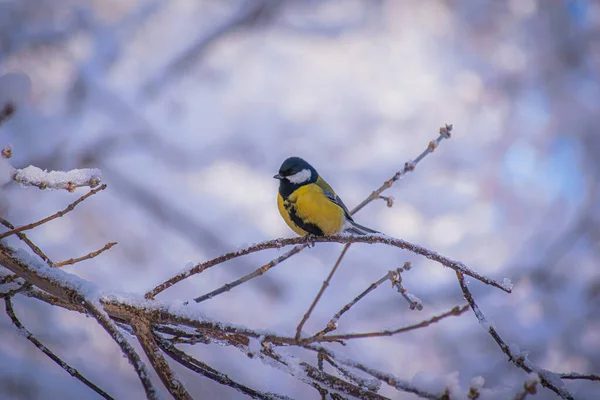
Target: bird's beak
x,y
278,177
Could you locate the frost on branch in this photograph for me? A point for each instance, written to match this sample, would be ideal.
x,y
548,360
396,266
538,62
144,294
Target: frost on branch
x,y
33,176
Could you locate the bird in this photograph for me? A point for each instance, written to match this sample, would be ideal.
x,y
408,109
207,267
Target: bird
x,y
309,205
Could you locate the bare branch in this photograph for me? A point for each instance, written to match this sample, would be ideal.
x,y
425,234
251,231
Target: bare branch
x,y
413,302
209,372
333,322
258,272
445,133
278,243
321,291
29,336
28,242
141,328
575,375
69,208
456,311
519,360
86,257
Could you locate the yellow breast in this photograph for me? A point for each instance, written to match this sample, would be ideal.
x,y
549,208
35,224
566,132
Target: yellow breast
x,y
311,206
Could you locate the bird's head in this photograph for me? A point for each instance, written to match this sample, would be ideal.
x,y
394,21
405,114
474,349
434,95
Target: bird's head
x,y
297,172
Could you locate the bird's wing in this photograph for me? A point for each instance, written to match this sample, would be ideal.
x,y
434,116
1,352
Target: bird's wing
x,y
334,198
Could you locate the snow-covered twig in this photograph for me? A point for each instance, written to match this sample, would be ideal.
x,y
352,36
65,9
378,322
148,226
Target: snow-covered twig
x,y
548,379
69,208
321,291
88,256
69,180
393,381
141,328
413,301
575,375
370,384
134,359
445,133
29,336
372,239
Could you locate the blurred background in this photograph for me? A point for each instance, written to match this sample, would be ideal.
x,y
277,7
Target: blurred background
x,y
189,108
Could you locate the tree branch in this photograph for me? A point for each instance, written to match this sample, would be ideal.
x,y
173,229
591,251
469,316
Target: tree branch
x,y
141,328
86,257
278,243
209,372
321,291
28,242
69,208
520,360
134,359
29,336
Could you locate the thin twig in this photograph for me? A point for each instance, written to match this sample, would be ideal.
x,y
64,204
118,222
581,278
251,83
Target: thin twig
x,y
445,133
278,243
28,242
413,301
310,374
69,208
321,291
519,360
397,383
209,372
29,336
333,322
366,383
575,375
456,311
134,359
258,272
86,257
141,328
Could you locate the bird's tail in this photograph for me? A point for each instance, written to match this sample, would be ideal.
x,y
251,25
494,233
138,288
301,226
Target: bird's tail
x,y
357,229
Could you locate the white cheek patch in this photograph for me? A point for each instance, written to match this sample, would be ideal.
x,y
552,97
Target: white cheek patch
x,y
300,177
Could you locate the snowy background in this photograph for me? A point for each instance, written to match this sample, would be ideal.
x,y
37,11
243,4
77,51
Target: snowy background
x,y
189,108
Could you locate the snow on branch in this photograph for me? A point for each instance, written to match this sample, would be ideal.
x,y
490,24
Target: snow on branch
x,y
69,180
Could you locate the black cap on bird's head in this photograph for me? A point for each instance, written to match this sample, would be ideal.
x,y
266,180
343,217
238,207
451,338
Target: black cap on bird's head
x,y
296,171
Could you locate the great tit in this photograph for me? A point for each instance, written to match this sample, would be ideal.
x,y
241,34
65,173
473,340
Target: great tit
x,y
309,205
